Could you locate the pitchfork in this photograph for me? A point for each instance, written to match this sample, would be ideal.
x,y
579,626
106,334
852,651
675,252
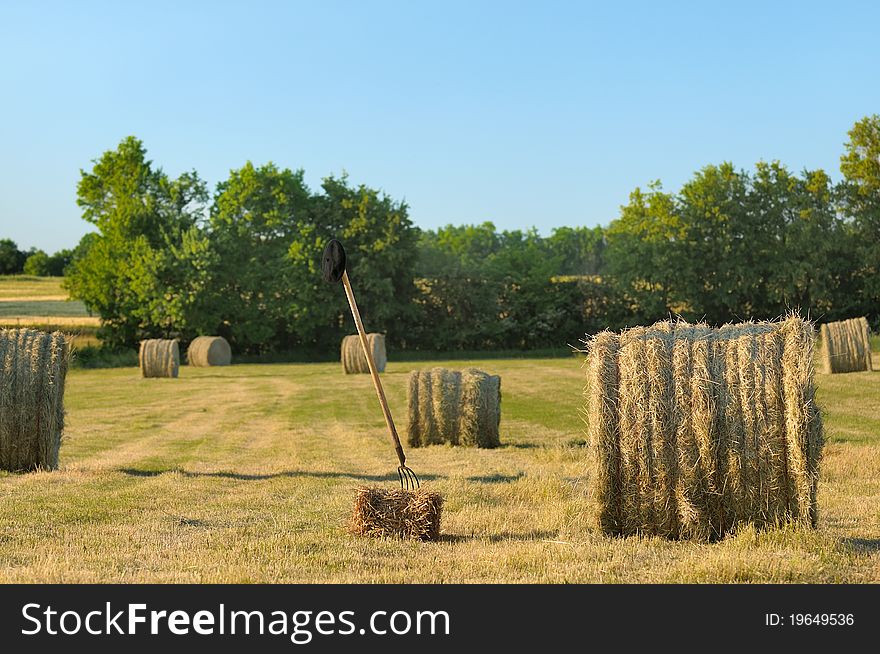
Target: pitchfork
x,y
333,269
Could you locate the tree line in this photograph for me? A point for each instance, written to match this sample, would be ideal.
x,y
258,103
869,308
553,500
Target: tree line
x,y
168,258
14,261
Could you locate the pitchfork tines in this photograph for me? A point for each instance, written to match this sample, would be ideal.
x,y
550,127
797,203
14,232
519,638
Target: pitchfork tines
x,y
408,479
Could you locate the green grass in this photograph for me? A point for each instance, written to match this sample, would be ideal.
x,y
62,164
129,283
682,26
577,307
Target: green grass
x,y
246,474
61,308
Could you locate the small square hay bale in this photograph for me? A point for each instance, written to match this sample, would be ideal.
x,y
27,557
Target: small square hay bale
x,y
380,512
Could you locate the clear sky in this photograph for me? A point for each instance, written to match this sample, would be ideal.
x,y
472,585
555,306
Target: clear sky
x,y
527,114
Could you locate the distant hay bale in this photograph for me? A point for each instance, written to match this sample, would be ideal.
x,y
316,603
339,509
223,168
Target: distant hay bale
x,y
33,368
846,346
396,513
695,431
455,407
354,361
209,351
159,358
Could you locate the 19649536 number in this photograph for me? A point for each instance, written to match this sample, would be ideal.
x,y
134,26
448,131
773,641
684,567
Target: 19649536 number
x,y
810,619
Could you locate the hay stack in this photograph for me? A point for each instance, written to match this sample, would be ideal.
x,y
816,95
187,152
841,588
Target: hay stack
x,y
398,513
846,346
209,351
695,431
353,359
33,367
459,408
159,358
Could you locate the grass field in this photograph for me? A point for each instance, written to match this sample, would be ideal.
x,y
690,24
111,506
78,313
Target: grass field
x,y
41,302
246,474
28,287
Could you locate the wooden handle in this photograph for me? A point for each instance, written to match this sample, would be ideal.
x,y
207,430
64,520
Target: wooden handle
x,y
377,383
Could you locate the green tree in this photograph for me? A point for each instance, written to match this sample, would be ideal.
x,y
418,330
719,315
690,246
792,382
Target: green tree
x,y
59,261
860,165
799,244
255,218
380,242
716,258
581,249
644,254
481,288
11,258
37,264
140,213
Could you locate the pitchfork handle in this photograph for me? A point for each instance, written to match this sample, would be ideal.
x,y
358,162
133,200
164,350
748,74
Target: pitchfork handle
x,y
372,364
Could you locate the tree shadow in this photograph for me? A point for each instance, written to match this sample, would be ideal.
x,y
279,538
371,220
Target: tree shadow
x,y
535,534
290,474
497,478
863,545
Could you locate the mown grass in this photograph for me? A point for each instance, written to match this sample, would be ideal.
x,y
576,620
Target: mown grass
x,y
28,287
246,474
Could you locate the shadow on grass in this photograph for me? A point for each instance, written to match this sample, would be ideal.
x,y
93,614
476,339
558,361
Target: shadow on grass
x,y
500,537
863,545
497,478
290,474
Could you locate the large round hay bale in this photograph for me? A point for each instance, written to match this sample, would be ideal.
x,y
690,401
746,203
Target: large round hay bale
x,y
354,361
33,368
454,407
846,346
159,357
207,351
696,431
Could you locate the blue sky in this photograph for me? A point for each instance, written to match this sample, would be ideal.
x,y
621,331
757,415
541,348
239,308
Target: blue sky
x,y
527,114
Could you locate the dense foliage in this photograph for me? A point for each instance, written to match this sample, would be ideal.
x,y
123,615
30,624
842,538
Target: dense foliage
x,y
167,260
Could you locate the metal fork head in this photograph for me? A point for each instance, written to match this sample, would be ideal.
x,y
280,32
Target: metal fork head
x,y
408,479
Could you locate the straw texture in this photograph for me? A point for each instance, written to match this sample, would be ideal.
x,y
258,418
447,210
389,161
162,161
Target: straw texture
x,y
455,407
396,513
695,431
159,358
207,351
846,346
353,359
33,368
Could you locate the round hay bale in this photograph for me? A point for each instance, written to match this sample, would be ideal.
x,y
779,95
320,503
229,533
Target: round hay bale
x,y
480,409
33,368
159,358
414,435
430,434
846,346
454,407
354,361
207,351
696,431
446,403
